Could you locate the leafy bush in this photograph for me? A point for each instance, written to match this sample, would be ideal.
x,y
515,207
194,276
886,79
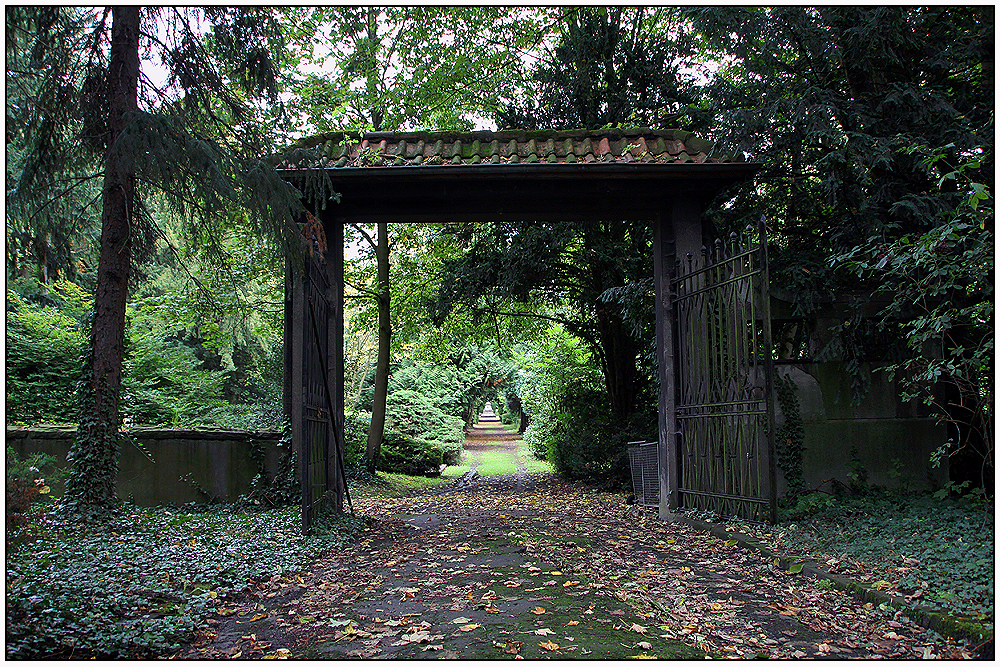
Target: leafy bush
x,y
136,587
438,383
171,377
414,416
163,379
410,456
582,441
26,487
562,390
44,355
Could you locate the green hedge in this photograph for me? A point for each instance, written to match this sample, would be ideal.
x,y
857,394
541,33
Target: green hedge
x,y
413,416
410,456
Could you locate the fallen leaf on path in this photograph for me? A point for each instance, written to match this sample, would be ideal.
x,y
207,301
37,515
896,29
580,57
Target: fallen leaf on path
x,y
549,646
461,620
571,583
470,627
643,656
573,623
538,610
544,632
638,628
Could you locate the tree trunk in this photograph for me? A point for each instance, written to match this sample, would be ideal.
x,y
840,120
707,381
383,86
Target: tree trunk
x,y
618,362
377,429
91,485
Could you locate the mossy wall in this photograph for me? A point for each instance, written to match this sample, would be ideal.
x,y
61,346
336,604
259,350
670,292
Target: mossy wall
x,y
167,466
893,443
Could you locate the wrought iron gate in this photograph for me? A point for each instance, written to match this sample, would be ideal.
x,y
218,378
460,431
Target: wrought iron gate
x,y
724,446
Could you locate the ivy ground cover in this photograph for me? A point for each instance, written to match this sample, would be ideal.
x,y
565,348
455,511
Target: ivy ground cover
x,y
928,549
138,585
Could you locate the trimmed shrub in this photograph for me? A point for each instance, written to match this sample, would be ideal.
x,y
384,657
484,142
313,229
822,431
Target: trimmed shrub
x,y
410,456
414,416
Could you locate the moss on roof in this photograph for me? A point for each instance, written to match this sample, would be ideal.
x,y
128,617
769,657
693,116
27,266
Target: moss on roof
x,y
612,145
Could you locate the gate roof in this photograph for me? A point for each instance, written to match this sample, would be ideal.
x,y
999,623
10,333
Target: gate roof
x,y
514,174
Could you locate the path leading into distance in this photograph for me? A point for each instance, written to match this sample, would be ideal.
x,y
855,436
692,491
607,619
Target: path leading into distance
x,y
527,565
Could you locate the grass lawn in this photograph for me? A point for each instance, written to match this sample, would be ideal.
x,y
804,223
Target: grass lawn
x,y
506,462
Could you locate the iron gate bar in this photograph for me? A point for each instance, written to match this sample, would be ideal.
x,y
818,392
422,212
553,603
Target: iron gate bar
x,y
727,496
337,442
315,427
720,405
722,283
723,411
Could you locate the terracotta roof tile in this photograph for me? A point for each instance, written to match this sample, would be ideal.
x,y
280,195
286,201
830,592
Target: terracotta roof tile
x,y
382,149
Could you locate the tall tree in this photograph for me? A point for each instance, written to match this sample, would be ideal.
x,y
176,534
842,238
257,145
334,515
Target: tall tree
x,y
48,221
194,142
382,296
92,482
415,67
610,66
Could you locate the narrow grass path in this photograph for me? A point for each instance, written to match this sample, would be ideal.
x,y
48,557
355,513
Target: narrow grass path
x,y
518,563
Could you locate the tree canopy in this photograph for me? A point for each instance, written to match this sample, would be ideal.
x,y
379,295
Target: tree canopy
x,y
873,126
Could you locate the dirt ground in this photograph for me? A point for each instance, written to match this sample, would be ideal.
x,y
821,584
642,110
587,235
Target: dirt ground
x,y
529,566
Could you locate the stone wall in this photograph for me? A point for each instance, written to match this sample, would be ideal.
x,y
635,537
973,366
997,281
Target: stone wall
x,y
167,466
893,438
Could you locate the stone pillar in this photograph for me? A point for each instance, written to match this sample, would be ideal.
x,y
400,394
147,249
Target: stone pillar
x,y
677,232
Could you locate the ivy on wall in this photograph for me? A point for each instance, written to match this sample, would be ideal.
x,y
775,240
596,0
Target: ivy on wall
x,y
789,436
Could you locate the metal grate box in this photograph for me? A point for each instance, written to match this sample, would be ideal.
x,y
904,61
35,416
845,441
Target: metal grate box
x,y
643,459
